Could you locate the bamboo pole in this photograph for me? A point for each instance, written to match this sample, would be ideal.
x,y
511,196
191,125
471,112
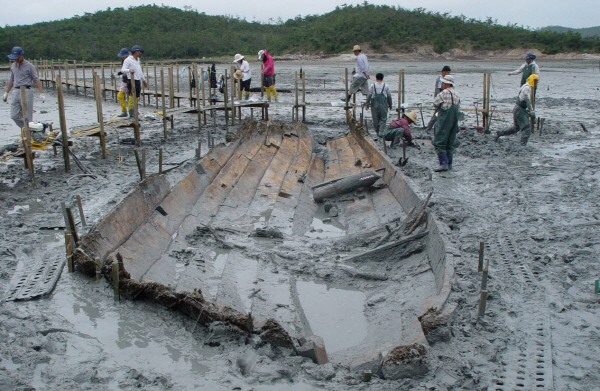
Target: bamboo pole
x,y
203,96
171,89
104,82
190,78
295,96
195,66
84,81
232,79
155,87
67,75
481,250
346,90
484,114
76,84
177,73
63,124
303,97
136,124
226,98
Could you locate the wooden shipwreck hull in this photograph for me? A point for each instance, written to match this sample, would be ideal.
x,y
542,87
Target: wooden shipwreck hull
x,y
236,241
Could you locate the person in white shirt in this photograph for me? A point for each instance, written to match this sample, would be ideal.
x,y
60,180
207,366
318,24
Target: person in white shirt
x,y
133,64
246,79
361,74
527,69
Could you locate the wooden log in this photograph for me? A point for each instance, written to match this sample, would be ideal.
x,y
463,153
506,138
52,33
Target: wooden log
x,y
404,240
345,185
420,215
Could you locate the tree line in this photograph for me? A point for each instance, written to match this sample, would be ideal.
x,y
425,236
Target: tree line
x,y
171,33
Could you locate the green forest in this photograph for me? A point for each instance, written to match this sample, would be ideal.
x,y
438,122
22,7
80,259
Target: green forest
x,y
171,33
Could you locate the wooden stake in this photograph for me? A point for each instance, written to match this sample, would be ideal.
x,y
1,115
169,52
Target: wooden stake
x,y
303,96
100,115
226,98
296,94
481,249
232,79
115,281
139,163
136,124
69,251
80,207
76,84
482,302
160,160
484,276
198,99
346,90
26,136
155,87
63,124
171,88
164,106
104,82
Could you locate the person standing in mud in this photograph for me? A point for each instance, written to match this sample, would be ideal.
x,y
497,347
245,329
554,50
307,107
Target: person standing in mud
x,y
522,112
447,104
246,79
268,74
123,54
438,88
527,69
380,101
132,63
22,74
361,74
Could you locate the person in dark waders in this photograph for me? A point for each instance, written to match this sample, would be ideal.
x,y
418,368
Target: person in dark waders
x,y
522,112
380,101
446,103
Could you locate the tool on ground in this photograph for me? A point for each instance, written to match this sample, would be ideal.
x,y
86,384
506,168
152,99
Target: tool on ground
x,y
420,106
403,160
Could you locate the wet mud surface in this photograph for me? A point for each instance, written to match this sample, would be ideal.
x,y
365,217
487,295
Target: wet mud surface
x,y
535,207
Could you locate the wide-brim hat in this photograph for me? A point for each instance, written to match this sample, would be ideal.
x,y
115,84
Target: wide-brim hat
x,y
412,116
357,47
448,79
136,48
237,58
529,56
238,74
124,52
16,52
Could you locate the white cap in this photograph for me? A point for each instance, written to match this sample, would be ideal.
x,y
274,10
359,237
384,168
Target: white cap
x,y
260,53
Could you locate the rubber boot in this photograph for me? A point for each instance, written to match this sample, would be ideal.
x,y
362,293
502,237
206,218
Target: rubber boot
x,y
123,114
443,163
396,141
131,114
450,162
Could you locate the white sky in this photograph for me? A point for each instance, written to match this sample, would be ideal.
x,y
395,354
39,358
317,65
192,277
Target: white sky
x,y
532,13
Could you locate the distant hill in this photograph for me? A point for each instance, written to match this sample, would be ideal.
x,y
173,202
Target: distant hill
x,y
585,32
171,33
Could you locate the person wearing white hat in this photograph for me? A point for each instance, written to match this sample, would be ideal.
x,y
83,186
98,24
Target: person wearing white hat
x,y
361,73
246,75
447,105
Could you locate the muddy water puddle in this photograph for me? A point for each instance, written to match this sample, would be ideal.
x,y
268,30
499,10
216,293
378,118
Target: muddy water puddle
x,y
334,314
324,226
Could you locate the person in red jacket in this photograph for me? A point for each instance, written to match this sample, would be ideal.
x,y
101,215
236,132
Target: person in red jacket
x,y
268,74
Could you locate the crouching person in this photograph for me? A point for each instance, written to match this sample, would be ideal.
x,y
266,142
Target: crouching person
x,y
399,129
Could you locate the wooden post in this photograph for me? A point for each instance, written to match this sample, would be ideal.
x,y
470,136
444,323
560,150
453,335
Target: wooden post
x,y
67,75
484,113
80,207
198,99
69,251
115,280
403,96
144,88
171,89
139,164
482,302
226,98
104,82
303,96
542,125
232,80
155,87
84,81
116,83
72,226
481,249
98,99
160,160
296,95
63,124
26,136
190,78
177,73
76,84
136,124
164,107
346,90
484,276
201,80
53,74
489,94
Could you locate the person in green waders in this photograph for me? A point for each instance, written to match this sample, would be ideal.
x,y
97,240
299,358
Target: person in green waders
x,y
380,101
447,105
522,112
527,69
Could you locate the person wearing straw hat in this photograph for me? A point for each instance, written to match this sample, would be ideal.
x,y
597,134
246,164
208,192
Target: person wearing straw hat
x,y
527,69
268,74
22,74
447,105
123,54
522,112
380,101
133,63
398,129
361,74
243,74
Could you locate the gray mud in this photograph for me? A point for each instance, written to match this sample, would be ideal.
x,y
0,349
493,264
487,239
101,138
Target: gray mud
x,y
535,207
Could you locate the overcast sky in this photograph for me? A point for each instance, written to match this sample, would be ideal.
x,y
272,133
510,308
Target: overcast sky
x,y
532,13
